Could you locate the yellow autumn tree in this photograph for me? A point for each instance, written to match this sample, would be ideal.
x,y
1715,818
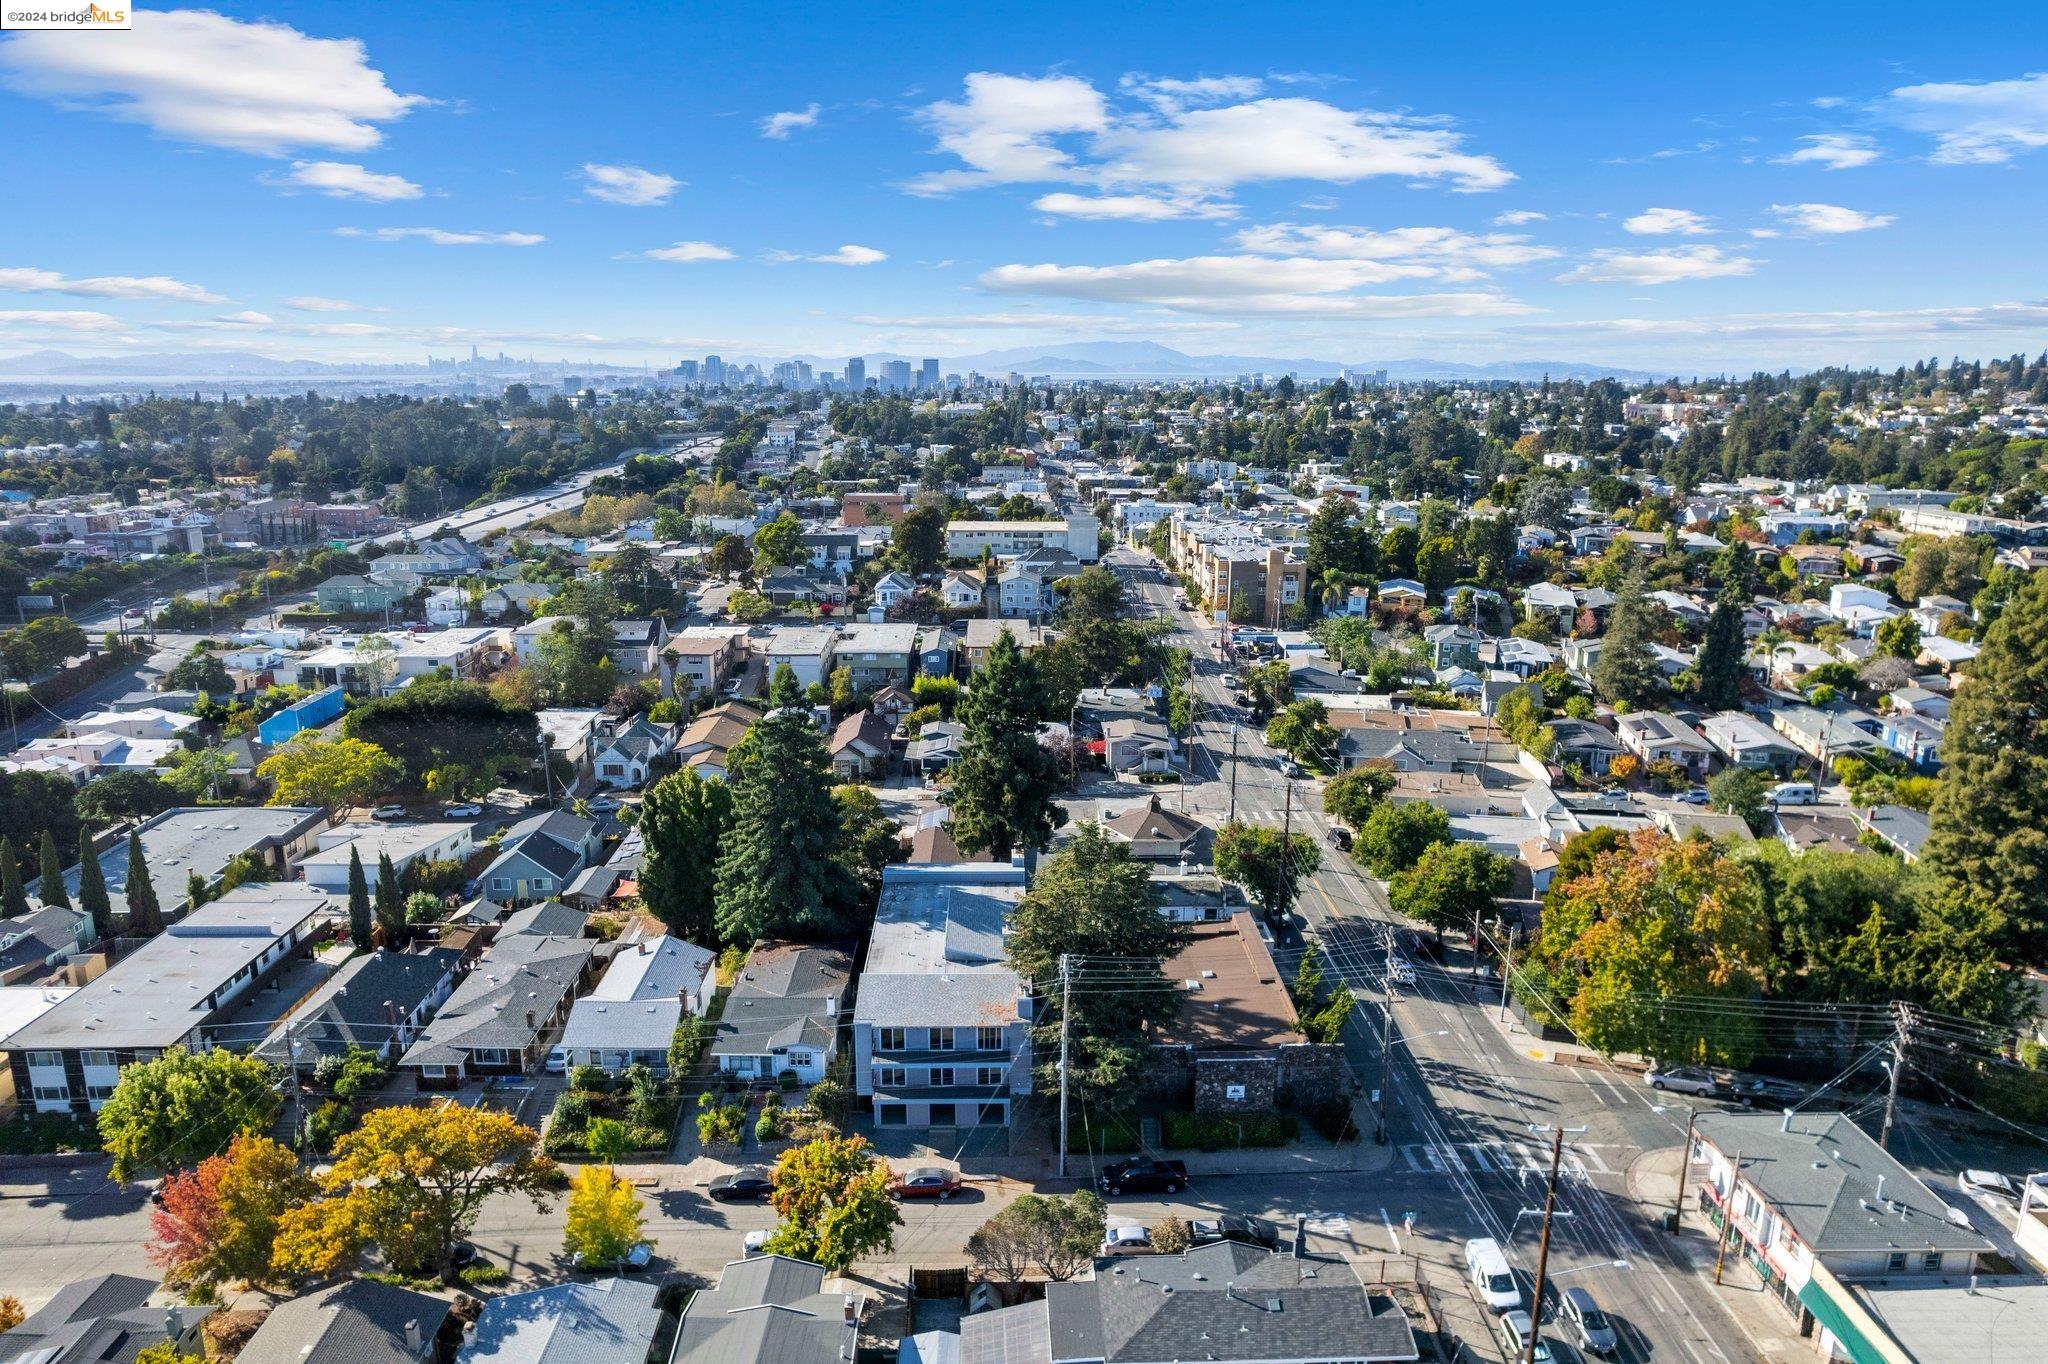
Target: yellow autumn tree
x,y
605,1217
411,1181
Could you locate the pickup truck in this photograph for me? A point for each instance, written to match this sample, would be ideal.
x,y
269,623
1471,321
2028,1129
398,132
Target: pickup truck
x,y
1142,1174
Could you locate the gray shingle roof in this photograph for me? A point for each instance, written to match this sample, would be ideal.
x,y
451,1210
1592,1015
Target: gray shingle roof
x,y
766,1310
359,1322
1821,1171
610,1321
520,975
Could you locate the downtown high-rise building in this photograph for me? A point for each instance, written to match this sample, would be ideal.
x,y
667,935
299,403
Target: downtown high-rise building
x,y
686,372
928,374
856,374
714,371
896,375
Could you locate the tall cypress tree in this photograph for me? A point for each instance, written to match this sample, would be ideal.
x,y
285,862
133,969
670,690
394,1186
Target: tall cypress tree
x,y
13,899
1003,786
1720,663
1987,842
1626,672
92,888
359,925
52,888
684,821
390,904
145,916
779,872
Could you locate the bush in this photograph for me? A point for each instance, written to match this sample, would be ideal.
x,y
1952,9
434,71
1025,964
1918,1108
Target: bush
x,y
1213,1132
590,1079
43,1134
692,1036
768,1127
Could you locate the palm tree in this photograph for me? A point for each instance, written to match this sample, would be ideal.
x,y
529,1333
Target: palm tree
x,y
1334,588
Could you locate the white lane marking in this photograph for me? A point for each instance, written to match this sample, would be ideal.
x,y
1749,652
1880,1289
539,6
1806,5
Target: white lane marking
x,y
1390,1230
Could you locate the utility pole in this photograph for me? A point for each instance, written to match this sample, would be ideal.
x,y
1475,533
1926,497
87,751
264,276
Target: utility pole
x,y
1727,1218
1543,1245
1902,1013
291,1046
1507,969
1232,819
1684,1167
1287,848
1066,1017
1379,1098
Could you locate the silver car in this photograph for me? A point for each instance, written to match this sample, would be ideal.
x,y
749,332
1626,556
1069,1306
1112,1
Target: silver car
x,y
1577,1310
1682,1080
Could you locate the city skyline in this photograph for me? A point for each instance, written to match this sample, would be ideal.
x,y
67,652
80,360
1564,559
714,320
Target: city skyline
x,y
346,185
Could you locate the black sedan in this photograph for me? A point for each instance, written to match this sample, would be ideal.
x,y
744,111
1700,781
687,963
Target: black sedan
x,y
1249,1231
749,1183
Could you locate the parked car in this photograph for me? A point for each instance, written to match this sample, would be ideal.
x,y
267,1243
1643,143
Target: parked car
x,y
1238,698
462,809
1515,1330
1132,1240
1682,1080
1142,1174
1248,1231
557,1062
1292,769
1583,1317
133,613
748,1183
602,805
462,1254
388,812
1989,1182
1402,971
1793,793
1752,1091
927,1181
636,1258
1693,795
1340,839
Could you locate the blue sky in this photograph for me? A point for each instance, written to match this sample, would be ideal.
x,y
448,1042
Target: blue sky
x,y
1750,187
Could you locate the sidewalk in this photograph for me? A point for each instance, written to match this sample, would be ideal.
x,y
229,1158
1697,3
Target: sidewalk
x,y
1653,1182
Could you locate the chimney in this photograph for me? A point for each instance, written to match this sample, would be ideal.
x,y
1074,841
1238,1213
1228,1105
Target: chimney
x,y
1300,1235
831,1006
413,1341
1785,1124
530,1019
173,1327
391,1014
1880,1188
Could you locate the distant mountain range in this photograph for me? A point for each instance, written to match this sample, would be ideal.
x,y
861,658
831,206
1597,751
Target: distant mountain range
x,y
1067,360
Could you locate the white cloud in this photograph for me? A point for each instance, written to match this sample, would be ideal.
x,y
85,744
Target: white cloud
x,y
313,303
441,236
684,253
199,77
1519,217
1249,286
1290,139
780,126
33,319
1832,151
248,320
1098,323
628,185
1763,234
1004,128
1976,122
343,180
1439,252
1671,265
1901,326
1170,96
1133,208
1190,139
1667,222
845,255
30,281
1830,219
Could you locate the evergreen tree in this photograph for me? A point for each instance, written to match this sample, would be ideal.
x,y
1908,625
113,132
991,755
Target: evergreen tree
x,y
684,821
390,904
1988,830
1626,673
92,888
145,916
13,899
195,891
779,872
52,888
1003,785
359,923
1720,662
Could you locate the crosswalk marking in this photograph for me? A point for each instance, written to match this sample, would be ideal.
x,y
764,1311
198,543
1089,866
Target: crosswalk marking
x,y
1513,1158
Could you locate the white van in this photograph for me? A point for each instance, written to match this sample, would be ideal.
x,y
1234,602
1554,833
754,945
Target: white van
x,y
1487,1266
1793,793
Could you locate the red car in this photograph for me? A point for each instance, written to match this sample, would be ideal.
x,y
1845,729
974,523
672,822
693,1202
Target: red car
x,y
928,1181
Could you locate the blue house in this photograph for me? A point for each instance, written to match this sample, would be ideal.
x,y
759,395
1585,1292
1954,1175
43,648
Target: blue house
x,y
321,708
